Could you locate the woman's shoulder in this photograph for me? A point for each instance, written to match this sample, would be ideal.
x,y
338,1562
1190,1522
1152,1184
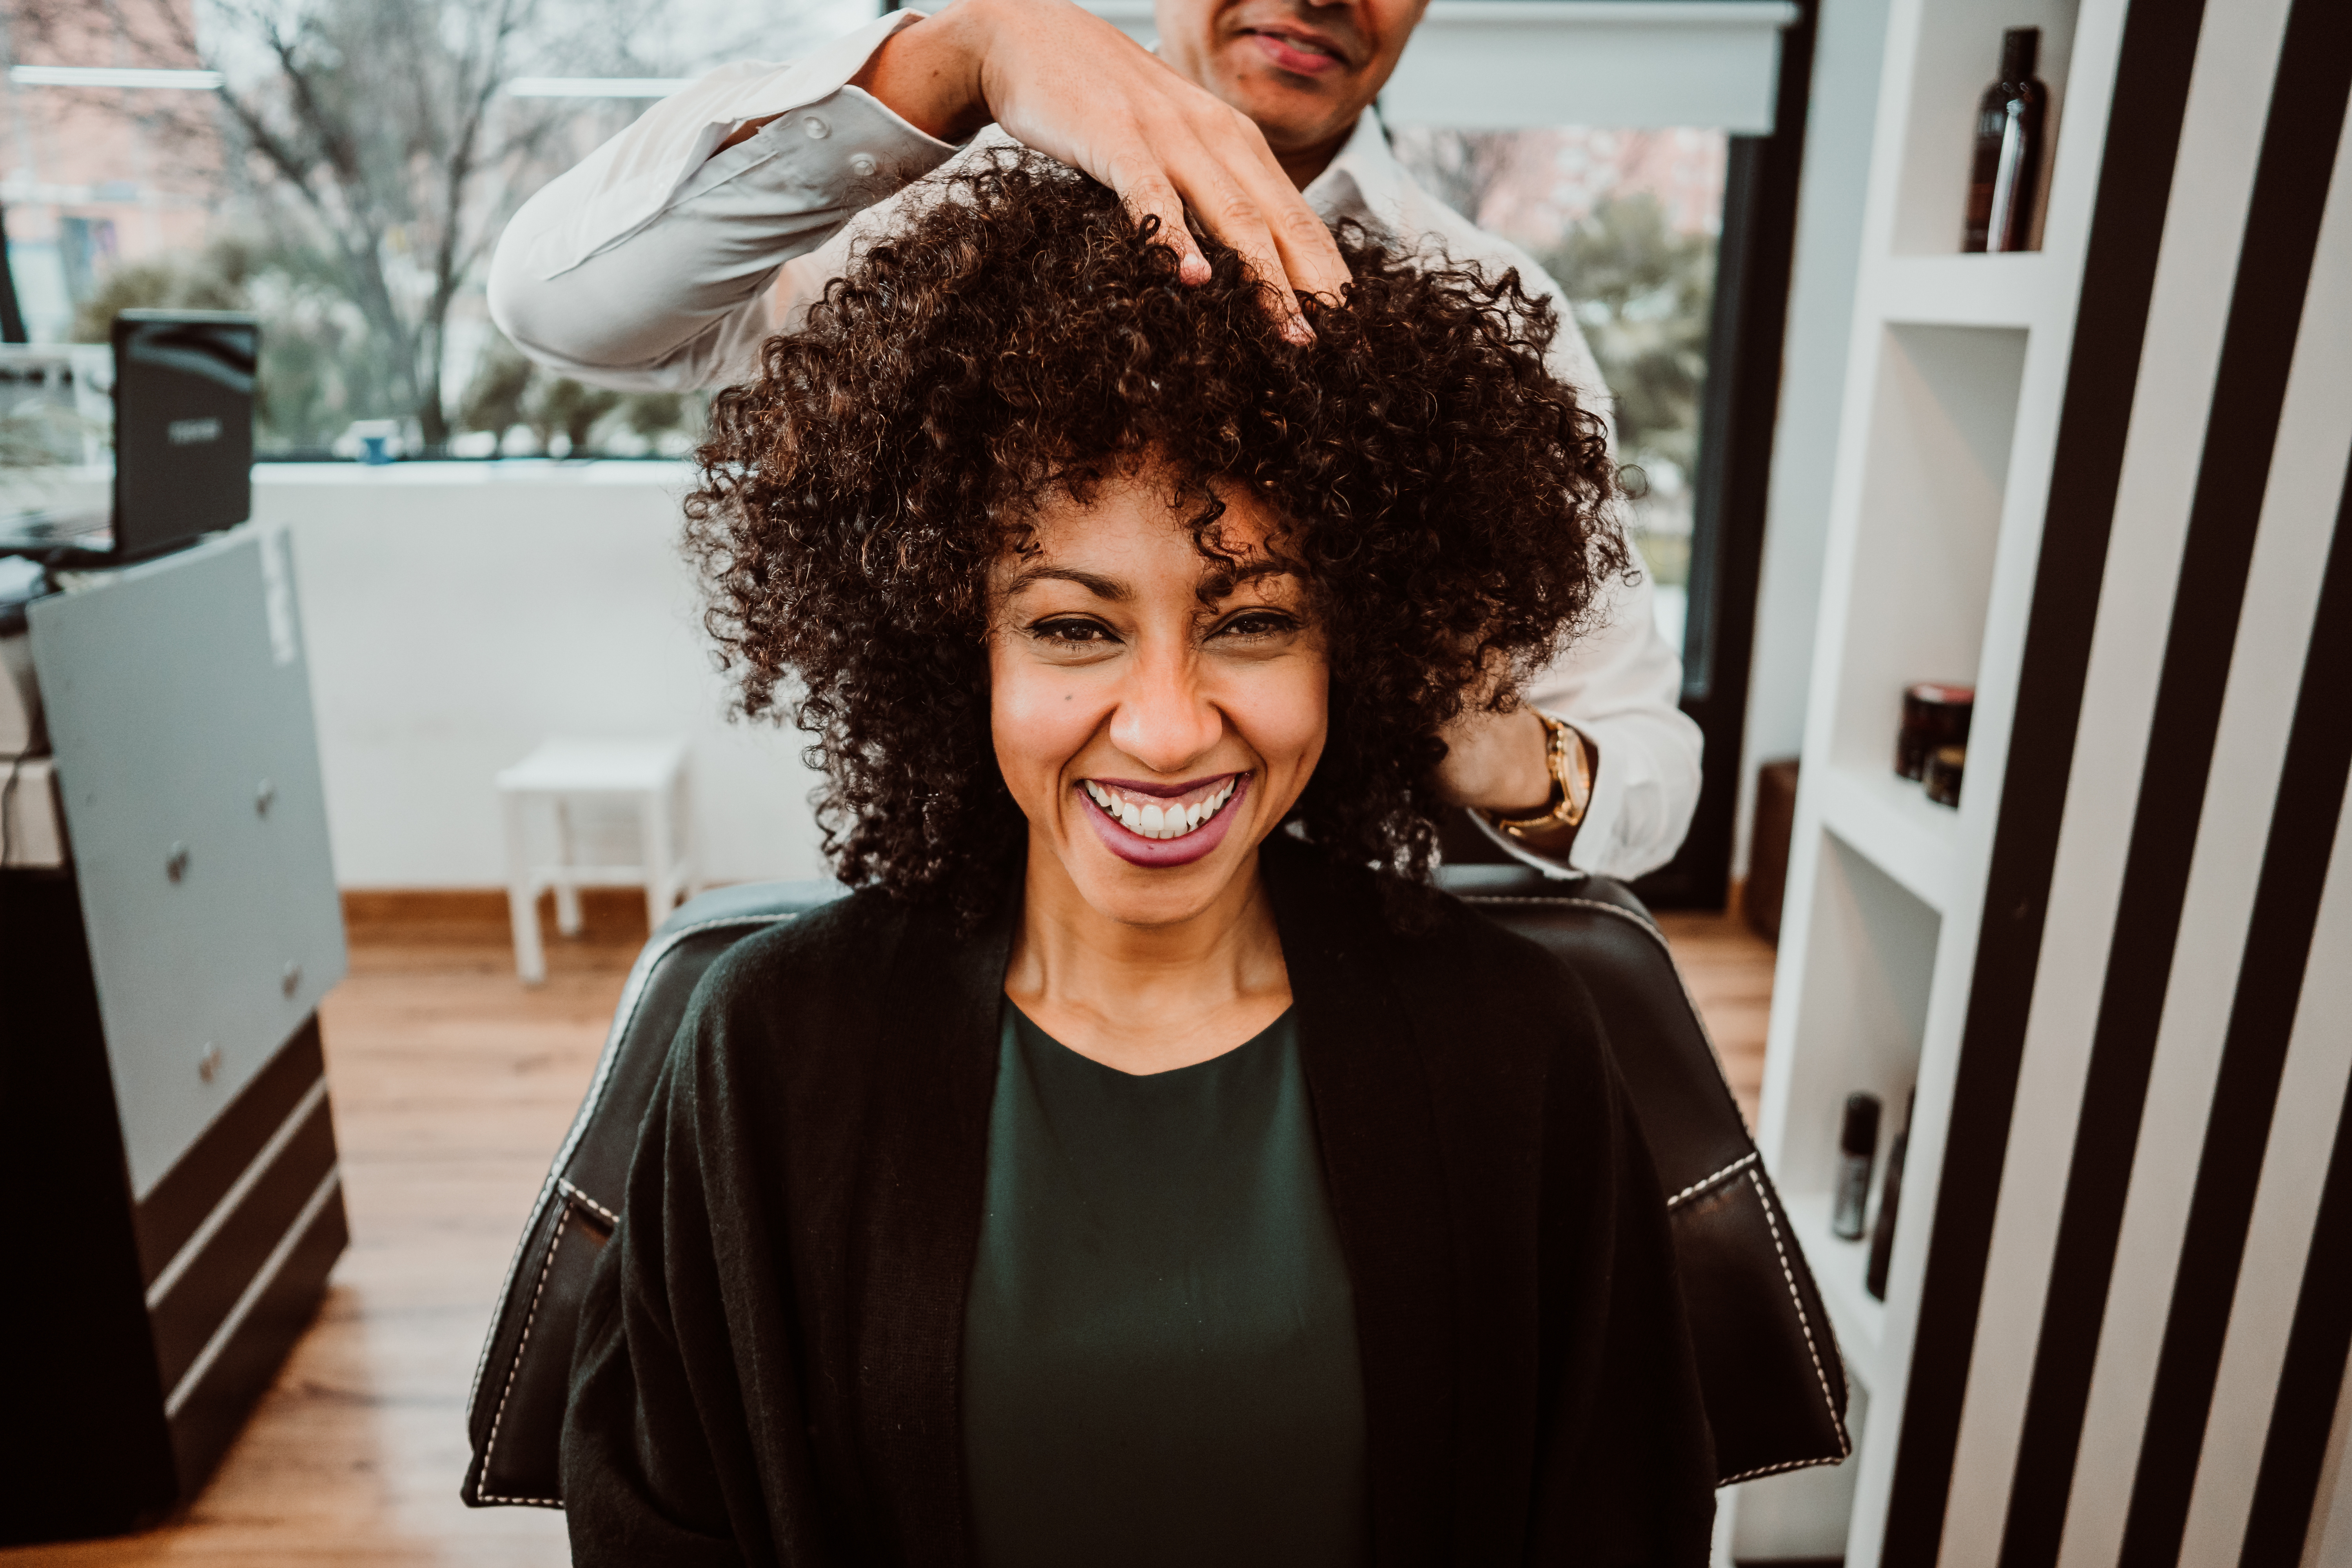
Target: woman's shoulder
x,y
1469,952
821,966
1435,948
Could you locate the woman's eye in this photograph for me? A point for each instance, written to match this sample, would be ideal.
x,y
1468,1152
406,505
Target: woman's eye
x,y
1258,623
1071,633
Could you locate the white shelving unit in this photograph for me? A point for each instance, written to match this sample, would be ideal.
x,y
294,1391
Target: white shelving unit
x,y
1942,475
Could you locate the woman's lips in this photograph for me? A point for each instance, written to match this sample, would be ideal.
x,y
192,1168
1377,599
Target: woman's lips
x,y
1294,55
1138,850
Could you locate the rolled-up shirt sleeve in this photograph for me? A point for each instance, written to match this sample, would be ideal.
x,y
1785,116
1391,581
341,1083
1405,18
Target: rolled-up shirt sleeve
x,y
644,266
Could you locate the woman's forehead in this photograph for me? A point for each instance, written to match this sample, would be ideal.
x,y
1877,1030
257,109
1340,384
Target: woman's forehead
x,y
1149,496
1139,529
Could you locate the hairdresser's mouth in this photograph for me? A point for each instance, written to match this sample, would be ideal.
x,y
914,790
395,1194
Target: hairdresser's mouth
x,y
1159,825
1297,49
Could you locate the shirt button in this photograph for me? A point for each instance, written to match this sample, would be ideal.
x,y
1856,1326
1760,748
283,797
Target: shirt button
x,y
817,128
861,163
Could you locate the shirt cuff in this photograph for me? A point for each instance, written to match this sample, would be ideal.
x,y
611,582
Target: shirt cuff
x,y
1597,834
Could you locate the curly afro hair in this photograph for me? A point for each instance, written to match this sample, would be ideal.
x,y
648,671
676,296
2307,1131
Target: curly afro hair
x,y
1449,504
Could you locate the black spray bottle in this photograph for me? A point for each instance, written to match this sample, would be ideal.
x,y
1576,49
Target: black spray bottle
x,y
1857,1148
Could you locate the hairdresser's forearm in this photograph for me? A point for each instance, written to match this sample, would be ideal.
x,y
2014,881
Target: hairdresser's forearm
x,y
644,265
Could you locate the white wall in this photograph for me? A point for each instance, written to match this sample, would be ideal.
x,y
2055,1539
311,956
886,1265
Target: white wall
x,y
1849,49
458,613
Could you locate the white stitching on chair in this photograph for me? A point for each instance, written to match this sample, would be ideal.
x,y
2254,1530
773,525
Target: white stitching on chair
x,y
1704,1183
584,1201
1776,1469
514,1370
632,992
1797,1299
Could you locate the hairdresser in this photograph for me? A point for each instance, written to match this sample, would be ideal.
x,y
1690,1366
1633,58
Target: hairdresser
x,y
665,258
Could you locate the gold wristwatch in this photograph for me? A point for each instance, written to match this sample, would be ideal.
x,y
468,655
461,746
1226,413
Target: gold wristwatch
x,y
1571,785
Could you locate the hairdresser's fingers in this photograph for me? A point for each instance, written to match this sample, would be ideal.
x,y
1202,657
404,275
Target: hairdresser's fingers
x,y
1307,256
1250,219
1227,209
1073,86
1310,257
1143,184
1164,169
1217,160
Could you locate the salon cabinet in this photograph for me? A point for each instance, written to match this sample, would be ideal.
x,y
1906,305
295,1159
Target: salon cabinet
x,y
165,1133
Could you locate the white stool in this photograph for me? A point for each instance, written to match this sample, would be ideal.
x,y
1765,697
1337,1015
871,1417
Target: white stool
x,y
562,770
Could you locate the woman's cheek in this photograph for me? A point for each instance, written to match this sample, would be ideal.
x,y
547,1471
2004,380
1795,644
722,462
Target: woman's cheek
x,y
1282,712
1040,718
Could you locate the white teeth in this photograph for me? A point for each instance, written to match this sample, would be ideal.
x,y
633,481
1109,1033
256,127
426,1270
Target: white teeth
x,y
1157,820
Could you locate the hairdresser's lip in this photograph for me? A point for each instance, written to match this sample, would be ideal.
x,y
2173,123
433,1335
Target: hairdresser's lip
x,y
1301,51
1220,794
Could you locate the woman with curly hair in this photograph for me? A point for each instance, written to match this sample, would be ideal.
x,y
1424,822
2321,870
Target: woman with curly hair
x,y
1144,1165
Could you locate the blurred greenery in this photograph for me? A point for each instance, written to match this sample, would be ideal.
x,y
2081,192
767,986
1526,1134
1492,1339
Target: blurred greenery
x,y
1643,293
508,390
321,369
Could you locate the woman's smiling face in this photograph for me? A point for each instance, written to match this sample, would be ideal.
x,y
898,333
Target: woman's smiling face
x,y
1152,731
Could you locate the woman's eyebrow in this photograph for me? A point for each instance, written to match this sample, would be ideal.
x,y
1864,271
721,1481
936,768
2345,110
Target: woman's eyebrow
x,y
1101,587
1221,583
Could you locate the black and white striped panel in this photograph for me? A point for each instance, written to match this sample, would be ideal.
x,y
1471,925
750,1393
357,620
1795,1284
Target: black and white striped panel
x,y
2139,1286
234,1244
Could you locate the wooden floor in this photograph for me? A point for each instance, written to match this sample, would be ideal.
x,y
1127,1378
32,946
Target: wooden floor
x,y
1728,969
452,1086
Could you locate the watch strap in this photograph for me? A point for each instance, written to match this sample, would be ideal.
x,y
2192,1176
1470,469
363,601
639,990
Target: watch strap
x,y
1571,784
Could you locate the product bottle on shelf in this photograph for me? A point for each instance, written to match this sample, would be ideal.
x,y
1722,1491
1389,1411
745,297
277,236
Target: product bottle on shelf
x,y
2006,174
1890,1200
1857,1148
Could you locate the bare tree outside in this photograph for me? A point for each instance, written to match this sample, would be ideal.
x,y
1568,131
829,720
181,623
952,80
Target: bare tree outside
x,y
367,154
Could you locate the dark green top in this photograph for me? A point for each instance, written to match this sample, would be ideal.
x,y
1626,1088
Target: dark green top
x,y
1159,1360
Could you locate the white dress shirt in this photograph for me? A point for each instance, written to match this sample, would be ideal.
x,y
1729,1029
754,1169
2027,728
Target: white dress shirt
x,y
655,265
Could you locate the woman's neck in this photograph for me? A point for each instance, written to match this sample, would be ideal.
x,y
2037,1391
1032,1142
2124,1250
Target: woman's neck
x,y
1146,999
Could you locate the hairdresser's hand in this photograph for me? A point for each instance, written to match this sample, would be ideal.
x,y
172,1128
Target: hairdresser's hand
x,y
1501,762
1069,84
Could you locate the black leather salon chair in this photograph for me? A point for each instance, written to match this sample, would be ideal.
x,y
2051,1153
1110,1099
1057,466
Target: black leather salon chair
x,y
1768,1366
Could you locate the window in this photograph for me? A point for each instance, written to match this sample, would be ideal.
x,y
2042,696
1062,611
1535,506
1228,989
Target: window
x,y
342,171
1626,222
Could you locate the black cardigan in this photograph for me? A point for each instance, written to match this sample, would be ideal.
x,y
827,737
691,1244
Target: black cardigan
x,y
767,1366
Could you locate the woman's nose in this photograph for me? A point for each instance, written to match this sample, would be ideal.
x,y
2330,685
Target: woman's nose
x,y
1165,720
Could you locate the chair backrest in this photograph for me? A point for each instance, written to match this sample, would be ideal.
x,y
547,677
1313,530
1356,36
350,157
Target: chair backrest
x,y
1769,1368
1768,1363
